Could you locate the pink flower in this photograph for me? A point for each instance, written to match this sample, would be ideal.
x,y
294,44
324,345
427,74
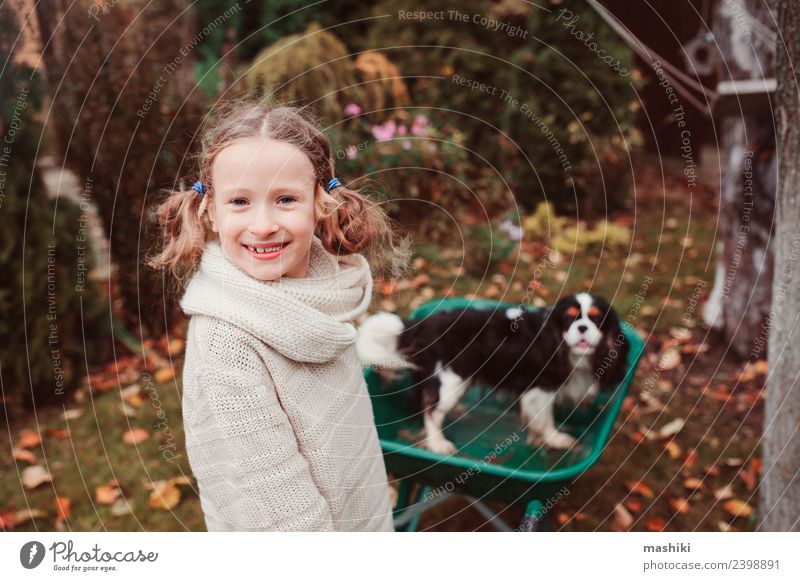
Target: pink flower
x,y
402,130
352,110
406,144
351,151
384,132
420,126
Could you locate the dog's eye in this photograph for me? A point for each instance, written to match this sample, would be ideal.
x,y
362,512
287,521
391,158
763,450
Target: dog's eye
x,y
594,312
573,312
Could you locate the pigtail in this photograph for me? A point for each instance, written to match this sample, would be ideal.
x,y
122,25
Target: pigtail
x,y
184,229
350,222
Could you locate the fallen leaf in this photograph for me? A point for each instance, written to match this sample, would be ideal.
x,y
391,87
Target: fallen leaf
x,y
749,478
724,493
24,456
691,458
120,507
73,414
673,450
639,487
29,439
634,505
135,400
656,524
681,334
712,470
57,433
8,520
135,436
579,517
63,508
175,346
733,462
164,374
693,483
738,508
679,505
563,518
185,480
166,497
29,514
669,360
622,518
33,476
671,428
106,495
725,527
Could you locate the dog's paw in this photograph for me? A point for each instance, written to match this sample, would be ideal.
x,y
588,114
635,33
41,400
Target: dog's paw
x,y
554,440
440,446
559,441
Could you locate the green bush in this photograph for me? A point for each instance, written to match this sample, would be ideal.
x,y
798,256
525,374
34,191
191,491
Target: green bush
x,y
574,115
52,321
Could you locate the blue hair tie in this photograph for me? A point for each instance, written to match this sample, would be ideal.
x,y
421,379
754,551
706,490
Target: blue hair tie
x,y
334,183
200,189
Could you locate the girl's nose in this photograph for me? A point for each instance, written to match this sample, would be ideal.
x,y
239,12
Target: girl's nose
x,y
263,225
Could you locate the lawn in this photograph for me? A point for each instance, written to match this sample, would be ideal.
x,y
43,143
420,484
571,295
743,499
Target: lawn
x,y
683,456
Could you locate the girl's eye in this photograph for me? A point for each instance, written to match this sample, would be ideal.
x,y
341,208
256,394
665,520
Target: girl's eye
x,y
290,198
236,201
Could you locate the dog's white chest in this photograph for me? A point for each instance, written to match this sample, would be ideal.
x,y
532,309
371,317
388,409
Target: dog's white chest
x,y
581,383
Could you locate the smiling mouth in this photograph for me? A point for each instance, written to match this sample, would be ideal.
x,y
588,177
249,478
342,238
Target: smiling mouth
x,y
582,344
266,250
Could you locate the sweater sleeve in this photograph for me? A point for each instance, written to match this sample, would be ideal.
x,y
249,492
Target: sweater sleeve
x,y
268,478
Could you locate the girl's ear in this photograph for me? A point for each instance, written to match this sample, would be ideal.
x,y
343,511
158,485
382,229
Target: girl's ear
x,y
212,216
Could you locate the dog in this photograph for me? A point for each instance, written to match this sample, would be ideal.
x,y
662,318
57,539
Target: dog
x,y
567,352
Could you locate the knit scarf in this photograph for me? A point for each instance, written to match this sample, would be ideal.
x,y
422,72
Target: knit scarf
x,y
305,319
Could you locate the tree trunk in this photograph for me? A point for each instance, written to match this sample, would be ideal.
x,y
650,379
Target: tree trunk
x,y
780,485
739,301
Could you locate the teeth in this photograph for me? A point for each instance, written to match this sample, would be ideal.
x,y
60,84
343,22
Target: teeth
x,y
263,250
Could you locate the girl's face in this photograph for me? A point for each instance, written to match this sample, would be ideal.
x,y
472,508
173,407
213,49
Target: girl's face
x,y
263,207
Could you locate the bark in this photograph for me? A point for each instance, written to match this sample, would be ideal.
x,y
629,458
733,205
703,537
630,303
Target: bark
x,y
739,301
780,485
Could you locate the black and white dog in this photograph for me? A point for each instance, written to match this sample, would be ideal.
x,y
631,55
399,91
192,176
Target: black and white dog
x,y
565,352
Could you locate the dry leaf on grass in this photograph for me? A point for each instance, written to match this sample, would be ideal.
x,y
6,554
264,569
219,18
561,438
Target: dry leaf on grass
x,y
165,496
135,436
622,518
639,487
33,476
29,439
164,374
724,493
672,428
24,456
63,509
679,505
736,507
106,495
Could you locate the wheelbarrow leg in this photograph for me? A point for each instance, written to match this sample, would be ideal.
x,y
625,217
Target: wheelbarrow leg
x,y
408,519
403,496
491,516
534,520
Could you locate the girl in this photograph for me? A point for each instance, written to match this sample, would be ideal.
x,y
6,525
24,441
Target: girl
x,y
279,427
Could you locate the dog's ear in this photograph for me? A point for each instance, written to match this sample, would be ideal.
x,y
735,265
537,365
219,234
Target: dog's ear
x,y
557,368
611,356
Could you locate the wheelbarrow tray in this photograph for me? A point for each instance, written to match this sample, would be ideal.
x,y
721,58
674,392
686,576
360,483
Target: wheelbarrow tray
x,y
493,459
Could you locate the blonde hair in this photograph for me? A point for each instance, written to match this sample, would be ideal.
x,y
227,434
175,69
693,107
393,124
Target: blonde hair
x,y
348,222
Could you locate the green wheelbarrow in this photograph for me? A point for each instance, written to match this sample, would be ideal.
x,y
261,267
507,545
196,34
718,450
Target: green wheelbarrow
x,y
493,461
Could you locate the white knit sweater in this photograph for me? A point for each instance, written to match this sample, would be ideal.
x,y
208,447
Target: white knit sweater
x,y
280,432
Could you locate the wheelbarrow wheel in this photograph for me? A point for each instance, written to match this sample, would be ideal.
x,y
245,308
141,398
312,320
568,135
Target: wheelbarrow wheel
x,y
534,519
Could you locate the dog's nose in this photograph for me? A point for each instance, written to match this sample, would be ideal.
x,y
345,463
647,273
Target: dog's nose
x,y
583,328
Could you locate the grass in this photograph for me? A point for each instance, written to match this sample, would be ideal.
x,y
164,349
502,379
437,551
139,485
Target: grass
x,y
672,244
